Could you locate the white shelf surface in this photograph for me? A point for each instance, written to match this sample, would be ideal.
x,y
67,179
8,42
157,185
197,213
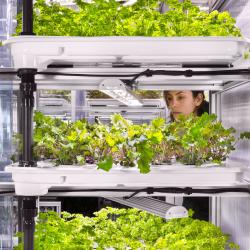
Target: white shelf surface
x,y
99,55
39,51
38,180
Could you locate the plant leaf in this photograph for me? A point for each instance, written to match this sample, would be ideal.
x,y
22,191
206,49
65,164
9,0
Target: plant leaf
x,y
106,164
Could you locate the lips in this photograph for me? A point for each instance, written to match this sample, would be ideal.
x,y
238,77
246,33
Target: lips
x,y
176,113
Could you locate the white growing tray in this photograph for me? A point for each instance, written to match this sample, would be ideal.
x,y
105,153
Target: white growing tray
x,y
39,51
36,181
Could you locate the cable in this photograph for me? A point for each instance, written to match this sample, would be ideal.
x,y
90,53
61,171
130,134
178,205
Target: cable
x,y
84,75
8,72
93,190
151,190
190,73
149,73
189,190
6,192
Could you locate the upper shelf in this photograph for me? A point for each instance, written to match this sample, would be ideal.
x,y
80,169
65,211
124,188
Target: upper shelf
x,y
38,180
103,56
40,51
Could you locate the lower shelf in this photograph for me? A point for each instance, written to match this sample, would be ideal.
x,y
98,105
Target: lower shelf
x,y
35,181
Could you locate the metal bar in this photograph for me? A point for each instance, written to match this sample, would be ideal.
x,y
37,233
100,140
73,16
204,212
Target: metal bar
x,y
217,5
48,109
73,106
27,17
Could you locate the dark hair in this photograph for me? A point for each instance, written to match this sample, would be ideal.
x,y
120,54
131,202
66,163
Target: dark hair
x,y
204,106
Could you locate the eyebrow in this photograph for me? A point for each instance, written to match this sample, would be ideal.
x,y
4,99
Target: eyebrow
x,y
179,92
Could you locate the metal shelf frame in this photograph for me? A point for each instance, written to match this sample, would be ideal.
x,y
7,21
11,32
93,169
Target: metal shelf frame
x,y
32,79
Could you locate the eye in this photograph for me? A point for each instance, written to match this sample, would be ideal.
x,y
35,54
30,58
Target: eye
x,y
169,98
180,97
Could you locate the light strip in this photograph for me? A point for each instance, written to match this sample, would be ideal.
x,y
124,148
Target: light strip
x,y
117,90
154,206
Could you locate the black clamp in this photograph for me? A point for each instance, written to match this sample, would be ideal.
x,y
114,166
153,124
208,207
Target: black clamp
x,y
26,71
28,85
188,190
150,190
29,210
189,73
29,215
148,73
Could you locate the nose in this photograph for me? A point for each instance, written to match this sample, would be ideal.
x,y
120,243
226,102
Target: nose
x,y
173,103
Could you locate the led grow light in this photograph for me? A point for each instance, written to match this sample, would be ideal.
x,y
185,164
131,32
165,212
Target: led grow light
x,y
117,90
154,206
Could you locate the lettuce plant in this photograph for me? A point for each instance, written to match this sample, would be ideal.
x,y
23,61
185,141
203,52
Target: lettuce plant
x,y
201,139
120,229
190,140
110,18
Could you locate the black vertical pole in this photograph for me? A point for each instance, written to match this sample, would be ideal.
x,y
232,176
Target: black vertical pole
x,y
27,17
27,205
20,220
27,89
29,212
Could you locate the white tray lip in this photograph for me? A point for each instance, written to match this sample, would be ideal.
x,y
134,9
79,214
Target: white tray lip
x,y
155,169
56,39
35,181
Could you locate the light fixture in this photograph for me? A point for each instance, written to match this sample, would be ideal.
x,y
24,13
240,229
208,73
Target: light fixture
x,y
154,206
118,90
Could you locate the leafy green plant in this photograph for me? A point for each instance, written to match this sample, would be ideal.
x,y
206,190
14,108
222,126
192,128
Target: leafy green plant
x,y
131,144
246,54
190,140
196,140
126,229
201,139
61,141
110,18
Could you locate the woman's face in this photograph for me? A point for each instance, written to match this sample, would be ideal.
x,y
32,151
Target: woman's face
x,y
182,102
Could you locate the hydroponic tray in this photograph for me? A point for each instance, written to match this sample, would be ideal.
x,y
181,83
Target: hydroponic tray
x,y
39,51
37,181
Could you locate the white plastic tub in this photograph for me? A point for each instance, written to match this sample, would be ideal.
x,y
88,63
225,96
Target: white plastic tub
x,y
37,181
39,51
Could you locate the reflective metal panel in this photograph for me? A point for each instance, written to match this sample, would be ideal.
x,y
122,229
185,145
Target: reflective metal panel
x,y
235,220
235,112
234,213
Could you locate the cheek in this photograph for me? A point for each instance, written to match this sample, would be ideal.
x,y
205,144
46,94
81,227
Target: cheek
x,y
189,107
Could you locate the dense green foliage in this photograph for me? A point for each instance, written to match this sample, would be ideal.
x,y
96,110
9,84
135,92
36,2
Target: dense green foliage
x,y
121,143
121,229
197,140
189,140
110,18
